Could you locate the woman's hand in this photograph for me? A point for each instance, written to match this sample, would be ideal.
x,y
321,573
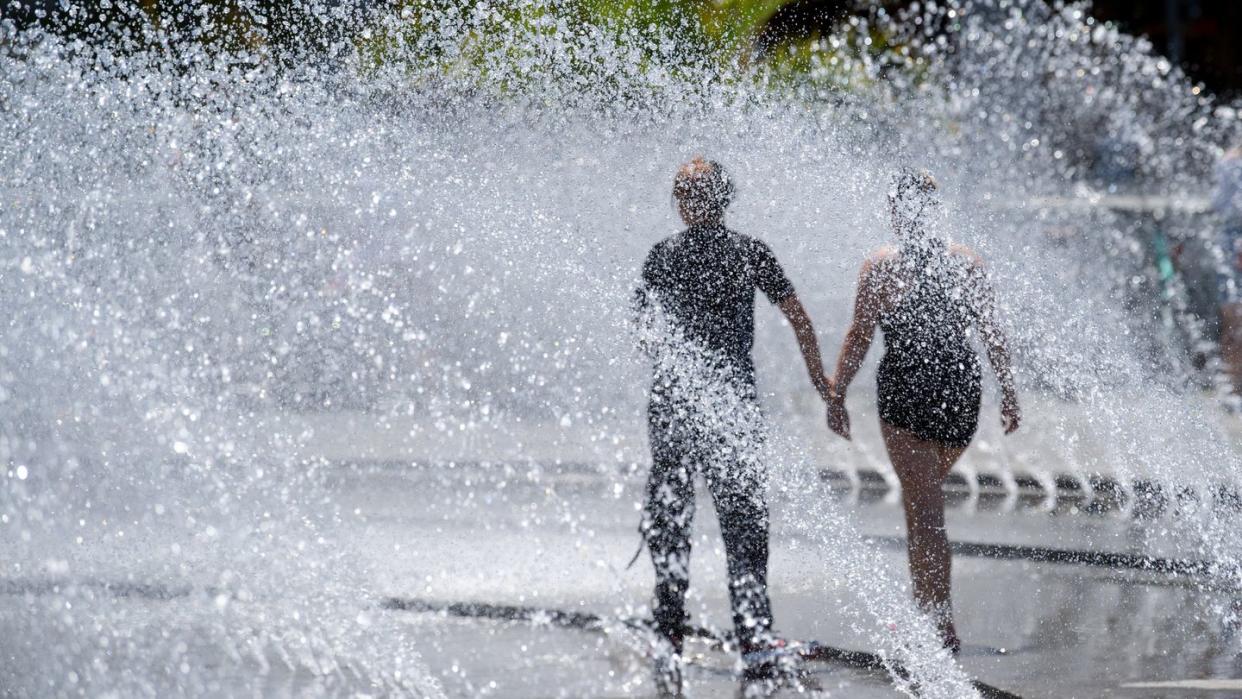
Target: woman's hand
x,y
838,416
1011,414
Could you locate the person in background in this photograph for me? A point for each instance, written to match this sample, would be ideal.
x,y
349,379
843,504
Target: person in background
x,y
928,297
1227,203
696,310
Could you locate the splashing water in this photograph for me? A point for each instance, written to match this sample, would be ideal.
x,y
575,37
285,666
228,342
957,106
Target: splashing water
x,y
437,224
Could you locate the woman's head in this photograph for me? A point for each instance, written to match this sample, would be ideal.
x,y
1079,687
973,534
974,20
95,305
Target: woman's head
x,y
702,190
911,198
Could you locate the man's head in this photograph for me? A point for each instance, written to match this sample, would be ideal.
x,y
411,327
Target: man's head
x,y
702,189
912,196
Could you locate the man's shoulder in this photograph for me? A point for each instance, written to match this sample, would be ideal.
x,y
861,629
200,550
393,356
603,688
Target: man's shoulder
x,y
750,243
663,252
747,244
743,238
665,244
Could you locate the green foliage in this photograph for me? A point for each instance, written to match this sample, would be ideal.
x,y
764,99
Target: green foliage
x,y
855,57
519,46
512,45
736,22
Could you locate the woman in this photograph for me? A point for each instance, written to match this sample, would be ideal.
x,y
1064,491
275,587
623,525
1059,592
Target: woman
x,y
926,296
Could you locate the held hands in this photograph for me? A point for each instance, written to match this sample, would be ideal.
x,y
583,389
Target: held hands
x,y
1011,414
824,386
838,416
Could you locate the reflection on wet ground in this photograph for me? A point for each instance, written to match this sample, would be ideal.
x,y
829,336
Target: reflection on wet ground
x,y
560,539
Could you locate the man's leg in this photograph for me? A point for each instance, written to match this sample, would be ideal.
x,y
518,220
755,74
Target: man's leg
x,y
668,514
741,506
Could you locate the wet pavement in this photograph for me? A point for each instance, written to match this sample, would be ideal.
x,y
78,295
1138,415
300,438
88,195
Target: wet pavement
x,y
556,540
560,538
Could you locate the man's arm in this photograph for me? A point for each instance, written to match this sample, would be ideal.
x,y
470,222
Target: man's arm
x,y
807,343
771,280
643,305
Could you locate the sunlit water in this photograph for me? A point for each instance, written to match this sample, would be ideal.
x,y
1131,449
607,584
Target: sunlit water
x,y
203,257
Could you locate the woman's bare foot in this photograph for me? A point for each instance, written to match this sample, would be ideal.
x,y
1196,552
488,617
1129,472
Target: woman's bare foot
x,y
948,634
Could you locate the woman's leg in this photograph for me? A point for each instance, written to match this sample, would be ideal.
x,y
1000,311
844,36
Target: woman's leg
x,y
948,630
921,467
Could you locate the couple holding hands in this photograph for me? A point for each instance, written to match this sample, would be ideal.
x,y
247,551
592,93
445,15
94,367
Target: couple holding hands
x,y
696,311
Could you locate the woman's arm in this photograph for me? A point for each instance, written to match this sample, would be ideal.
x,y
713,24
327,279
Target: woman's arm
x,y
854,349
998,350
861,331
808,344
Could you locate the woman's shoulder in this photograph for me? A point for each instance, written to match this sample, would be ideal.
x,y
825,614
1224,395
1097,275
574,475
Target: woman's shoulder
x,y
876,263
967,254
880,255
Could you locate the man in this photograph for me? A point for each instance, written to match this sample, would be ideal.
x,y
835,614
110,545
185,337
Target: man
x,y
697,321
1227,203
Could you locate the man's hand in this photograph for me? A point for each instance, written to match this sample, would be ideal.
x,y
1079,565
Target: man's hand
x,y
838,416
801,322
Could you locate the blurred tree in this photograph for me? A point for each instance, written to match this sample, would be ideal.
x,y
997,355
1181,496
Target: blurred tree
x,y
270,27
832,43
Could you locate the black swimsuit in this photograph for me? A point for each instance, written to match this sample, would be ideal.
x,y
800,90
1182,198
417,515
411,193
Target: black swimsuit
x,y
929,380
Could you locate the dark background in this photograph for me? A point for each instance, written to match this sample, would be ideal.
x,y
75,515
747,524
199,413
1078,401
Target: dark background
x,y
1204,37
